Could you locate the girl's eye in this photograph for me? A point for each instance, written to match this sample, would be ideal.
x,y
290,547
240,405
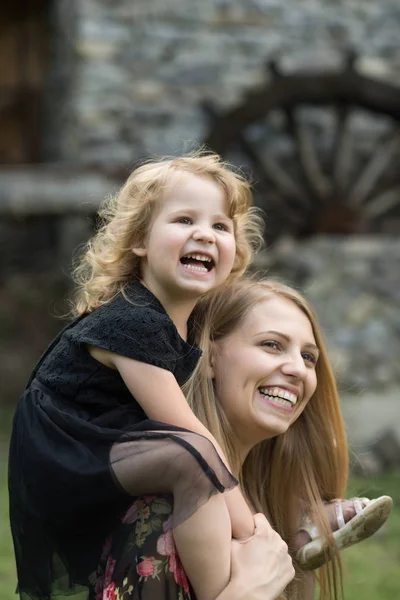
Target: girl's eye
x,y
184,220
310,358
221,227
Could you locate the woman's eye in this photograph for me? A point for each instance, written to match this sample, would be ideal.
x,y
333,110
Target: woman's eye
x,y
184,220
310,358
271,344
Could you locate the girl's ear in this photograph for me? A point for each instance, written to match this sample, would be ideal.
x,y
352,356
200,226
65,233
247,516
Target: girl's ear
x,y
141,252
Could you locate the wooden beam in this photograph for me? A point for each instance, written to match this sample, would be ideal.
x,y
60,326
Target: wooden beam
x,y
55,189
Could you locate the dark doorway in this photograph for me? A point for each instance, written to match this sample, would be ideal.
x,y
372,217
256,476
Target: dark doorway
x,y
24,58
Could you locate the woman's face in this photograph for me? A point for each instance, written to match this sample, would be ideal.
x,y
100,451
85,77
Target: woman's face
x,y
265,370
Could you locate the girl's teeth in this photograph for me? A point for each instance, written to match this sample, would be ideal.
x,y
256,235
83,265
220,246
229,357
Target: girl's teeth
x,y
196,268
199,257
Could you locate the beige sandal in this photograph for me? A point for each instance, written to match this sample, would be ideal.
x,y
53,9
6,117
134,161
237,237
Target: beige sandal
x,y
370,516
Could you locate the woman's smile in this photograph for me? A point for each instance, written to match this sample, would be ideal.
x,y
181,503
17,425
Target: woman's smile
x,y
265,370
279,397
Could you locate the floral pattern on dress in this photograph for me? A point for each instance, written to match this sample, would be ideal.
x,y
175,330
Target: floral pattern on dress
x,y
147,522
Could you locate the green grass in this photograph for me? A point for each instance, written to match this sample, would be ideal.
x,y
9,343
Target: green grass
x,y
372,569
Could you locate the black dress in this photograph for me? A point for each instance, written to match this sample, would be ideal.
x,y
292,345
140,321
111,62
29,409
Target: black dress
x,y
77,533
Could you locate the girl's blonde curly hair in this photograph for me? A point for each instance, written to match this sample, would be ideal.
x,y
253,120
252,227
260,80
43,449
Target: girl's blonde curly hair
x,y
108,264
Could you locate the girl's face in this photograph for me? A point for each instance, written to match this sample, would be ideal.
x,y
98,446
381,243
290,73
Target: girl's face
x,y
190,247
265,370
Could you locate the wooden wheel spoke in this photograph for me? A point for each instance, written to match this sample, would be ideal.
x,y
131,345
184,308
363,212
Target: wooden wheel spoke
x,y
381,203
341,151
268,169
308,159
272,170
373,171
283,182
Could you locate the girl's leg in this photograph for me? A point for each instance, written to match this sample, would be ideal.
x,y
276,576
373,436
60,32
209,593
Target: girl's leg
x,y
202,526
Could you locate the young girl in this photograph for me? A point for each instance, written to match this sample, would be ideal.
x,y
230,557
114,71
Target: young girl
x,y
103,417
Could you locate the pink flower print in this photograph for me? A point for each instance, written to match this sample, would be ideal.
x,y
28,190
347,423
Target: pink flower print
x,y
109,571
149,499
165,543
109,592
99,590
146,567
131,514
176,568
166,547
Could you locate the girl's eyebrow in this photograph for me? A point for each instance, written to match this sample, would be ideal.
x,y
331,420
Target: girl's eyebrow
x,y
222,217
287,338
184,210
194,211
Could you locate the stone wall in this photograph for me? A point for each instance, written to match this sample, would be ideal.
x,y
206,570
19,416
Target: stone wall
x,y
129,76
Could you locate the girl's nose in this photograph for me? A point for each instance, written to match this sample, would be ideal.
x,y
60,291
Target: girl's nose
x,y
204,234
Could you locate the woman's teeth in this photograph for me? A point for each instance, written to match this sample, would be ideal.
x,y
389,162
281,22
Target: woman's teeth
x,y
279,395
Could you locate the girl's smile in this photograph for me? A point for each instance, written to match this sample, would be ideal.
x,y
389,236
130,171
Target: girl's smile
x,y
190,247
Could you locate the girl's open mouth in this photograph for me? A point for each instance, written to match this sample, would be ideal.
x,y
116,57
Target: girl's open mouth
x,y
197,262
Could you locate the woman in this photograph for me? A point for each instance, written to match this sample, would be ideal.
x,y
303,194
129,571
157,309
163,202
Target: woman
x,y
265,390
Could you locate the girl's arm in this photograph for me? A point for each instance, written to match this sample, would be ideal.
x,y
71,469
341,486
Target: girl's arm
x,y
161,398
159,394
156,390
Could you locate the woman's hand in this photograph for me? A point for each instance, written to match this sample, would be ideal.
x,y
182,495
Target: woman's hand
x,y
261,565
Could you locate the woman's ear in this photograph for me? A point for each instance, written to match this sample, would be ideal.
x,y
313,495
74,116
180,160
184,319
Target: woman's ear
x,y
210,367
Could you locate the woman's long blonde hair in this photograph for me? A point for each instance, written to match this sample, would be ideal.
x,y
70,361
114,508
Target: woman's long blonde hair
x,y
300,468
108,263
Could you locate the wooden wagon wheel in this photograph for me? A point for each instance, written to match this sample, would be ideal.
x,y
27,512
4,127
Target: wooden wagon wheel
x,y
321,182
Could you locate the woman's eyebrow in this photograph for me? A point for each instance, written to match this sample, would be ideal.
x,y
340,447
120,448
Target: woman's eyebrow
x,y
283,335
286,337
311,346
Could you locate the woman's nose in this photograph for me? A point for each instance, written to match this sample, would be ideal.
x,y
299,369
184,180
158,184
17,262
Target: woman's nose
x,y
295,366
